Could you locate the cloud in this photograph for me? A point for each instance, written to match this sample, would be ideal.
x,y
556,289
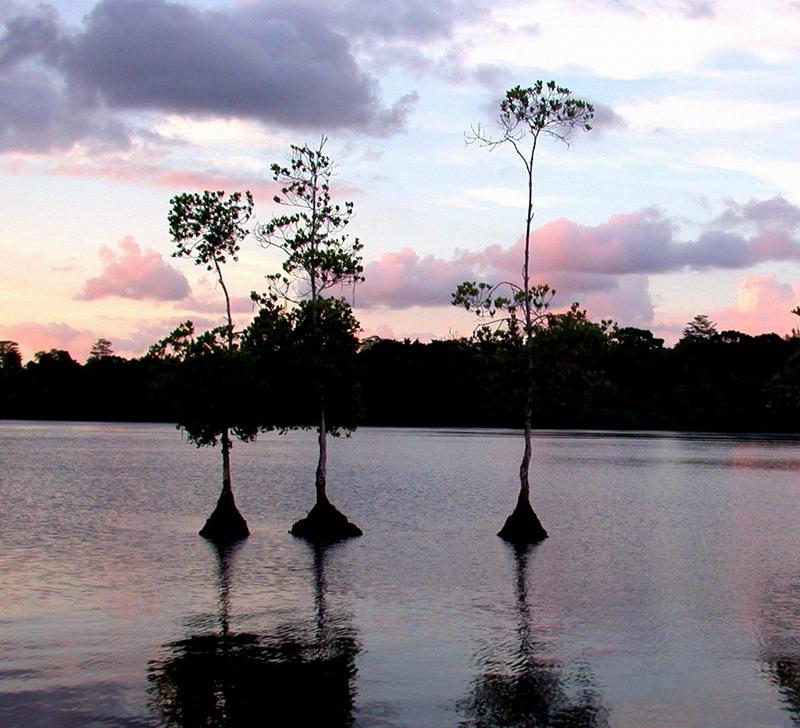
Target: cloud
x,y
279,63
33,336
485,198
130,272
128,172
404,279
679,113
418,36
693,9
646,242
209,303
775,212
762,304
140,335
606,118
43,118
397,20
605,267
628,301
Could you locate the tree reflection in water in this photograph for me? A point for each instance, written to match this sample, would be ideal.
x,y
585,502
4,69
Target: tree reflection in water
x,y
780,651
528,689
302,674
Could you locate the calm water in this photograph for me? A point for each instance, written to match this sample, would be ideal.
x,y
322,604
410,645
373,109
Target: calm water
x,y
667,595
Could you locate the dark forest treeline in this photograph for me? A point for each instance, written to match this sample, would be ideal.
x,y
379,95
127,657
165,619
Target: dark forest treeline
x,y
586,376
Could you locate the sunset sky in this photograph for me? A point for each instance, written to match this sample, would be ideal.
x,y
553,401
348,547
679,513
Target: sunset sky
x,y
684,199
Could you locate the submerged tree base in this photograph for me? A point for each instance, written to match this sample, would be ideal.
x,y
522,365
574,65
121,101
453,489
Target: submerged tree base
x,y
523,525
225,524
325,524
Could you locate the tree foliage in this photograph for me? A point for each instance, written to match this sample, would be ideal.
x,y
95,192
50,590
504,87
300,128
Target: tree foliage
x,y
208,228
733,383
318,255
526,115
700,328
209,383
10,357
101,349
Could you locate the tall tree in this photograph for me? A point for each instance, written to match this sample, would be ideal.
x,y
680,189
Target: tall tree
x,y
101,349
318,256
208,228
700,328
11,379
527,115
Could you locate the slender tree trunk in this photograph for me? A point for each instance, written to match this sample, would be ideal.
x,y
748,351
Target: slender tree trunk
x,y
227,304
322,463
524,468
523,525
226,463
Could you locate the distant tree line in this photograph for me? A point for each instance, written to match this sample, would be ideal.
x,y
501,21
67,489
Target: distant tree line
x,y
588,375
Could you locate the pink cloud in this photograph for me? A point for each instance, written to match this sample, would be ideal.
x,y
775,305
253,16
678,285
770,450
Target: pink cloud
x,y
404,279
605,267
33,337
628,302
762,304
384,331
138,339
131,272
645,242
174,180
209,303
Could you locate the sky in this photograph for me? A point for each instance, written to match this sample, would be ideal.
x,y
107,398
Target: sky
x,y
683,199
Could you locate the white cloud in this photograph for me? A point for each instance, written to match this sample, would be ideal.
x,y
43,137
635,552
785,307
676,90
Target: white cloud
x,y
485,198
783,174
652,39
696,113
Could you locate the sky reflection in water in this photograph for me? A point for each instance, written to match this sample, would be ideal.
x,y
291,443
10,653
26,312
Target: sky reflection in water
x,y
668,593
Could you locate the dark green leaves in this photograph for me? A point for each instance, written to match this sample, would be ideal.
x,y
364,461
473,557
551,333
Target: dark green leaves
x,y
208,227
318,253
544,108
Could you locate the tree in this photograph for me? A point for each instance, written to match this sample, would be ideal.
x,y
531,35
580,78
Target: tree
x,y
526,116
208,228
10,358
571,355
318,257
700,328
101,349
11,378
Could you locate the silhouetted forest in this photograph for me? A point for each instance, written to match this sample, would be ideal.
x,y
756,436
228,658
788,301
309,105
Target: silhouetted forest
x,y
586,375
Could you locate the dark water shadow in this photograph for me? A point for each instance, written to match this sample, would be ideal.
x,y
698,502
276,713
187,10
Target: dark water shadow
x,y
525,687
780,642
301,673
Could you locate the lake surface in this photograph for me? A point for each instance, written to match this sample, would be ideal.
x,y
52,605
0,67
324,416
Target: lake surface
x,y
667,595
